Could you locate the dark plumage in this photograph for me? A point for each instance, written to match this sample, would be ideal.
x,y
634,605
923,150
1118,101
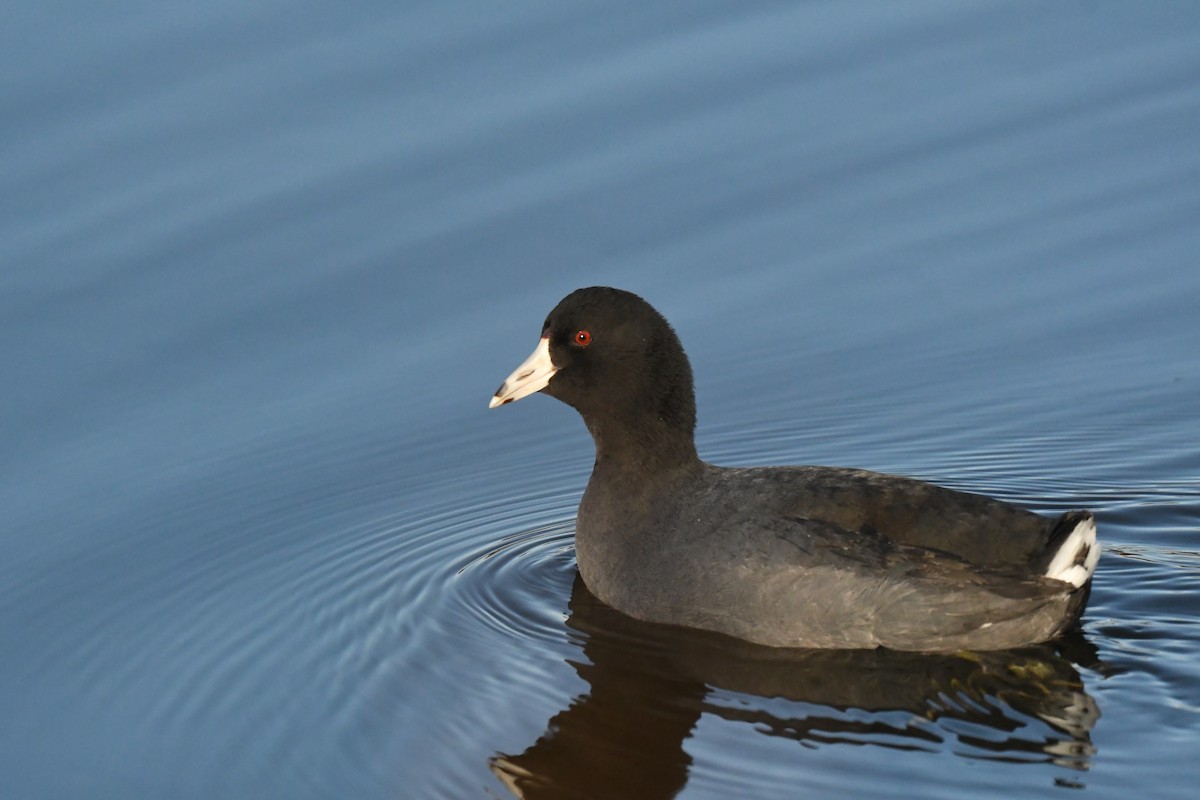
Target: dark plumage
x,y
783,556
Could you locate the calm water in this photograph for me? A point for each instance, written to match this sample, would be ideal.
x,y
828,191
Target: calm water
x,y
261,268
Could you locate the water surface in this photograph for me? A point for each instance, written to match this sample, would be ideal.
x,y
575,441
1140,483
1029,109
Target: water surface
x,y
261,269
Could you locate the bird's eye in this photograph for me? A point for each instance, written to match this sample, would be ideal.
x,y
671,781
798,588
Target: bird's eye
x,y
583,338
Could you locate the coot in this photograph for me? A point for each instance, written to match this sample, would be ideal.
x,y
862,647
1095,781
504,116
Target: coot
x,y
783,556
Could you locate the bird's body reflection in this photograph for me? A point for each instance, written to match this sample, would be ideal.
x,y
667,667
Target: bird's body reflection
x,y
650,684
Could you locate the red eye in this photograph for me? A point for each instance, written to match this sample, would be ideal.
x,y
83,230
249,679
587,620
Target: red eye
x,y
583,338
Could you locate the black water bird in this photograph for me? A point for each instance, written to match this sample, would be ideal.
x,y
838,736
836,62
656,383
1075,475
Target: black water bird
x,y
817,557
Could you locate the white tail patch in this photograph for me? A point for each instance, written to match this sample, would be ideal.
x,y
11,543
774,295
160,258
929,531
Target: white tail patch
x,y
1076,560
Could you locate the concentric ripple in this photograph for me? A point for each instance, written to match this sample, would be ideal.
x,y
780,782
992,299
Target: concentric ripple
x,y
518,586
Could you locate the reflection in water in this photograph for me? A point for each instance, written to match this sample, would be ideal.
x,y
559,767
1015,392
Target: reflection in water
x,y
650,684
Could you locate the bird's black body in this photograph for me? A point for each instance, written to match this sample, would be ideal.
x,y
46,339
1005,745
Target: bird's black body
x,y
783,556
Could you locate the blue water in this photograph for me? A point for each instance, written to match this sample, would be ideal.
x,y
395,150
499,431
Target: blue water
x,y
261,268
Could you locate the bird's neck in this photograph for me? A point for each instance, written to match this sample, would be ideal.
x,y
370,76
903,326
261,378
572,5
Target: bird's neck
x,y
642,448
